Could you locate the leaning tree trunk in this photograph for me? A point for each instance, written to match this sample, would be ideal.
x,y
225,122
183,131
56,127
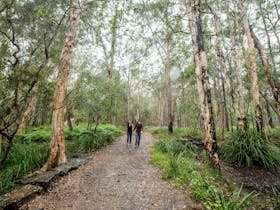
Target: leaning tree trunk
x,y
202,80
57,154
252,70
273,84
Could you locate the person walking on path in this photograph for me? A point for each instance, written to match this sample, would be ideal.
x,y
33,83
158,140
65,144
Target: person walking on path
x,y
129,133
138,128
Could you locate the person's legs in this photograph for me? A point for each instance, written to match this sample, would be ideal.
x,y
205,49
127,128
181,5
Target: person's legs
x,y
139,137
130,136
127,137
136,139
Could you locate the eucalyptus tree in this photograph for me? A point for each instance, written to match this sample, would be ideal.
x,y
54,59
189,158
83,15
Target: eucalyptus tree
x,y
57,154
252,69
202,79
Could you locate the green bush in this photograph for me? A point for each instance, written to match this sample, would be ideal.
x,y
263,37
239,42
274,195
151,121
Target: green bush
x,y
250,149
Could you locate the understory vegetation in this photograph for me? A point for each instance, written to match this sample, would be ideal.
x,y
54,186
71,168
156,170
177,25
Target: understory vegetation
x,y
250,148
31,149
186,165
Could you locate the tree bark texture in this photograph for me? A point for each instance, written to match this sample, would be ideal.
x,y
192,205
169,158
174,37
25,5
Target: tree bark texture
x,y
68,113
203,87
57,154
271,81
253,71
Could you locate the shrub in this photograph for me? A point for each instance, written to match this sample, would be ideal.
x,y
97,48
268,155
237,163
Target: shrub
x,y
249,149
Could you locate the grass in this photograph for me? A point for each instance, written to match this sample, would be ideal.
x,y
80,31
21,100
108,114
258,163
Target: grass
x,y
250,149
178,160
30,150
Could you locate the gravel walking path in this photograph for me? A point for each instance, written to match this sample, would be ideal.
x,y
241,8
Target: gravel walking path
x,y
115,178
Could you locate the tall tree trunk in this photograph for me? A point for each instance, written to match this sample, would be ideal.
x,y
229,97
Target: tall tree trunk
x,y
168,89
237,99
252,70
269,117
225,110
167,73
271,81
57,154
68,115
203,87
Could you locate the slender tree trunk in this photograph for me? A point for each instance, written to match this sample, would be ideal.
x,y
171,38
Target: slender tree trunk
x,y
273,84
203,86
225,116
57,154
68,111
168,89
269,117
237,99
252,70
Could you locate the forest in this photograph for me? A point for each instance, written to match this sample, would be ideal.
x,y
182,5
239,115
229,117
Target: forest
x,y
203,76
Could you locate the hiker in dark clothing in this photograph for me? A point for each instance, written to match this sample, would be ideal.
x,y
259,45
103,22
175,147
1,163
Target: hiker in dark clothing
x,y
129,133
138,128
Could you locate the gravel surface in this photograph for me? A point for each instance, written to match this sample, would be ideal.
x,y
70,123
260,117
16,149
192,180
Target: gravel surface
x,y
117,177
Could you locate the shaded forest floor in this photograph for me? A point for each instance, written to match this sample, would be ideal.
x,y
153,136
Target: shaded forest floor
x,y
255,178
117,177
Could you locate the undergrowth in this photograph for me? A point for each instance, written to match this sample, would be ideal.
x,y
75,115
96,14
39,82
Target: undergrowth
x,y
30,149
179,162
250,149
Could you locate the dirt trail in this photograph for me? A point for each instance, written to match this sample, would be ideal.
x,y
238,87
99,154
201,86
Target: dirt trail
x,y
117,177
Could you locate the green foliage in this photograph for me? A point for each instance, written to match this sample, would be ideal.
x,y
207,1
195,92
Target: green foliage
x,y
39,134
178,161
274,134
276,195
174,147
202,189
250,149
30,149
23,158
162,133
173,167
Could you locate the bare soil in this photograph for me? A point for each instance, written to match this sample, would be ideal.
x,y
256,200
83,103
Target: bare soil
x,y
117,177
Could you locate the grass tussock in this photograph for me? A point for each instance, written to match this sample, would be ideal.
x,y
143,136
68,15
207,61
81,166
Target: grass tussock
x,y
250,149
